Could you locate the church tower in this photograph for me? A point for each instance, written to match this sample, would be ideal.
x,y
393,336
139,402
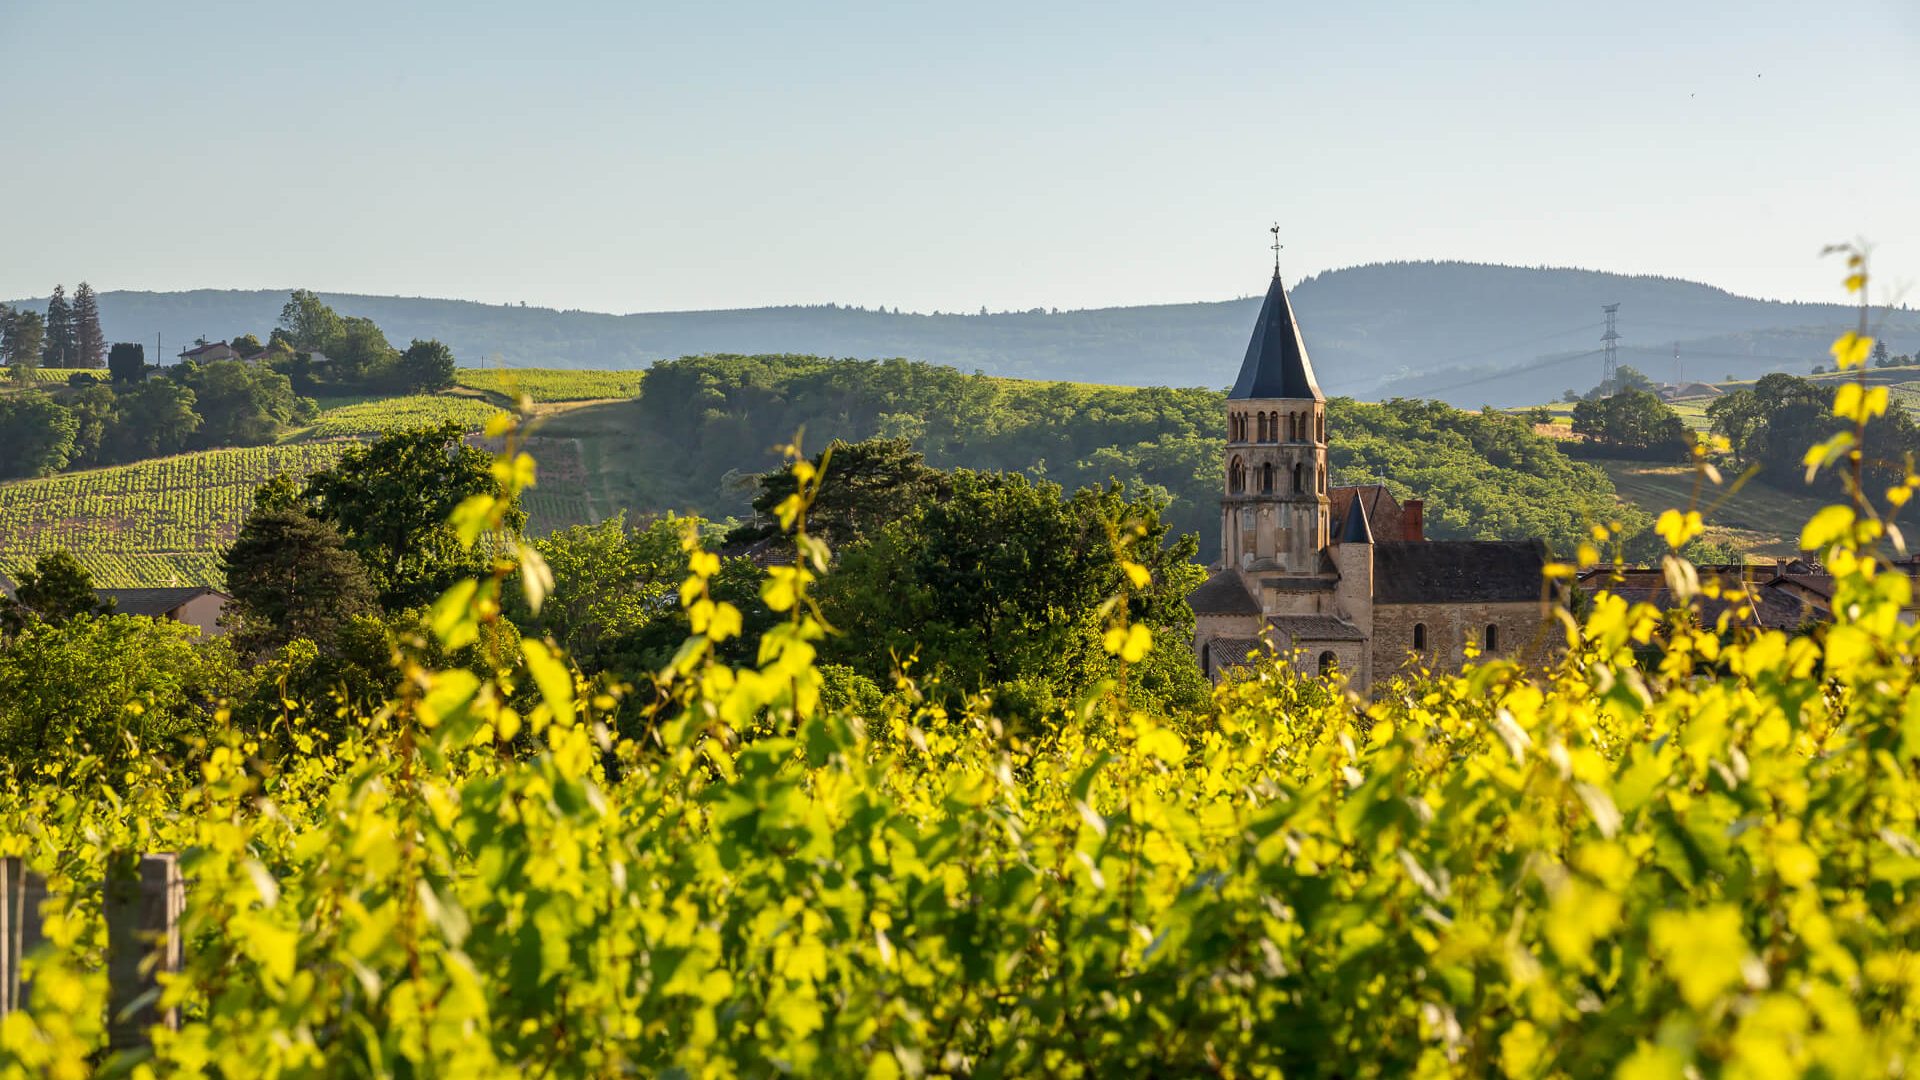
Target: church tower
x,y
1274,515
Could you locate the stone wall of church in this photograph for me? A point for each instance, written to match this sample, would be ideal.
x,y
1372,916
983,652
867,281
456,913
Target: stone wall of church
x,y
1521,629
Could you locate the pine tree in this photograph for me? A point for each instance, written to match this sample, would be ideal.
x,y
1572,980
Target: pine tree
x,y
92,344
58,588
62,344
25,333
127,361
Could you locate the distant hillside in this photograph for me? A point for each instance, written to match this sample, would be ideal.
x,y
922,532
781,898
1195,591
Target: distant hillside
x,y
1465,333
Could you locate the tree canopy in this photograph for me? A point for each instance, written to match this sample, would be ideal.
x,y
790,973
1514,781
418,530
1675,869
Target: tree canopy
x,y
390,500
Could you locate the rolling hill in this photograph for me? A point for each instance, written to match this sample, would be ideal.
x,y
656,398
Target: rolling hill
x,y
1466,333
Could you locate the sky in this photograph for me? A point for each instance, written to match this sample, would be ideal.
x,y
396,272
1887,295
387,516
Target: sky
x,y
620,156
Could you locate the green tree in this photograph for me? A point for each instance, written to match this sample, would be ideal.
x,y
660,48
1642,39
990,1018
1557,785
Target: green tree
x,y
26,335
246,344
96,410
106,682
58,588
309,323
390,500
1736,416
291,577
127,362
242,404
1626,377
62,346
360,352
425,366
999,587
867,485
90,345
36,435
1632,420
156,417
609,580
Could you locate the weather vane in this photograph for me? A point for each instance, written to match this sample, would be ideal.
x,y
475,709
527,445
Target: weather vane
x,y
1277,245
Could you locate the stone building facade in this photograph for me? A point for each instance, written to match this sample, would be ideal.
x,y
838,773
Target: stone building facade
x,y
1341,577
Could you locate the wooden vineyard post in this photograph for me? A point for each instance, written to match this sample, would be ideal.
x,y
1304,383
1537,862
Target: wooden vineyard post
x,y
143,897
21,893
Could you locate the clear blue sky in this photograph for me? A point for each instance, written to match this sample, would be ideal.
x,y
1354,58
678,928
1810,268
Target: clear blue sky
x,y
626,156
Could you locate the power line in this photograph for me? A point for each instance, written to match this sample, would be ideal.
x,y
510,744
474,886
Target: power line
x,y
1491,349
1539,365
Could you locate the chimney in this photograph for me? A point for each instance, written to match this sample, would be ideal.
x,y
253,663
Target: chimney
x,y
1413,519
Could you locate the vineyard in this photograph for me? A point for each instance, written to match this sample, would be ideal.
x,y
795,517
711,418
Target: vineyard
x,y
1677,850
152,522
48,377
553,384
369,419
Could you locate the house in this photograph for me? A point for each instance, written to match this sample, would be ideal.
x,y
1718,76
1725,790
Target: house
x,y
1341,577
203,354
195,605
1791,594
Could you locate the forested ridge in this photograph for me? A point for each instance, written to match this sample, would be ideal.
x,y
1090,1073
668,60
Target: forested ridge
x,y
702,427
1416,329
1484,476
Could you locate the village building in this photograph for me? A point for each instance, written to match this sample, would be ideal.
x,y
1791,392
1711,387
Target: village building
x,y
207,352
1341,577
195,605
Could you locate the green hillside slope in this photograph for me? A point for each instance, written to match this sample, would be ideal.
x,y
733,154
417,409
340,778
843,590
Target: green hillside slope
x,y
704,426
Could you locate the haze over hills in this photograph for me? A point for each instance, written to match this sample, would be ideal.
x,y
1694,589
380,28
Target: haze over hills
x,y
1467,333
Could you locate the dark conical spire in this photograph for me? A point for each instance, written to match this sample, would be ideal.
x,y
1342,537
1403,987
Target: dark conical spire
x,y
1356,529
1276,365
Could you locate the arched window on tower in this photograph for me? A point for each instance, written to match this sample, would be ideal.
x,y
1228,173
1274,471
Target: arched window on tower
x,y
1293,427
1319,426
1419,637
1323,479
1236,477
1298,481
1299,427
1273,427
1266,477
1328,662
1493,638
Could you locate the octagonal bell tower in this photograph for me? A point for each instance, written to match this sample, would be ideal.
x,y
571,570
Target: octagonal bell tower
x,y
1274,513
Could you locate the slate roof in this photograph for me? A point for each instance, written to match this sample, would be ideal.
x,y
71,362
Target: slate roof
x,y
1385,516
1457,571
1778,602
1232,651
1316,628
1223,594
1355,530
1301,584
1276,365
153,603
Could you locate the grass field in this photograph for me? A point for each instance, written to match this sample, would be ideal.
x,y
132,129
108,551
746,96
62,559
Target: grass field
x,y
553,384
152,522
1759,519
367,419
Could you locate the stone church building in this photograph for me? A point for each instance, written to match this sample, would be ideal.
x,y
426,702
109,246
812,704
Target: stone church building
x,y
1340,576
